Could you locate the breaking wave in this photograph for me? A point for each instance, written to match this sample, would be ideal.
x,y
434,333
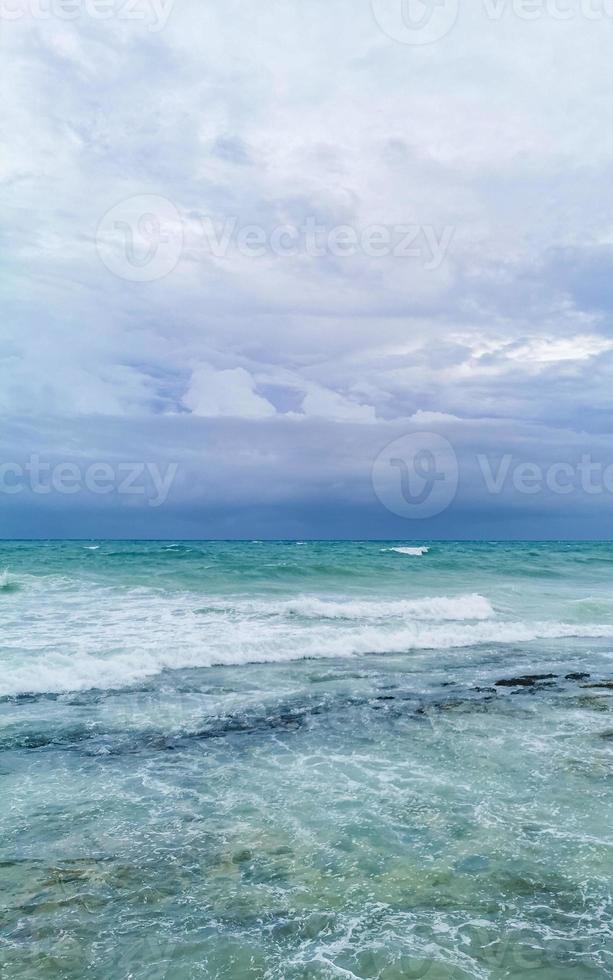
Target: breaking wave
x,y
109,641
411,552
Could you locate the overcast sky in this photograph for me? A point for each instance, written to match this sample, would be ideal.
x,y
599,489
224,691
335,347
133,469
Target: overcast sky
x,y
249,245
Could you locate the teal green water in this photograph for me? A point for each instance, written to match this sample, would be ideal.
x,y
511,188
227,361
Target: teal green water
x,y
289,761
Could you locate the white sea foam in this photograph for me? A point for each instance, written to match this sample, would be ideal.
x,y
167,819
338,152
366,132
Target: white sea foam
x,y
80,669
110,639
442,608
411,552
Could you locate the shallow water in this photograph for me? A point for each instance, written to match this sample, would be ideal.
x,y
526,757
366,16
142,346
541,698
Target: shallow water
x,y
294,761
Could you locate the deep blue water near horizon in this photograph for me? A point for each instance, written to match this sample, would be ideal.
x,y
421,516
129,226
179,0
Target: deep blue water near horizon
x,y
295,760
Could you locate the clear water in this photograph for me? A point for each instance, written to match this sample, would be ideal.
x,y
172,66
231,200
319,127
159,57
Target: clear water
x,y
284,761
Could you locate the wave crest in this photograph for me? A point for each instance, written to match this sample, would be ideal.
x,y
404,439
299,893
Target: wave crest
x,y
131,649
415,552
8,582
437,608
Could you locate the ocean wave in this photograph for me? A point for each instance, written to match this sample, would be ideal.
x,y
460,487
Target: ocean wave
x,y
8,582
129,651
592,607
411,552
438,608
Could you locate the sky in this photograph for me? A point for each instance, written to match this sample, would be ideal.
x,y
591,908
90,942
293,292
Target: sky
x,y
297,270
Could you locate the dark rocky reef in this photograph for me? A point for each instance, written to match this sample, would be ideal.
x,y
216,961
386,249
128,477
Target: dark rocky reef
x,y
528,680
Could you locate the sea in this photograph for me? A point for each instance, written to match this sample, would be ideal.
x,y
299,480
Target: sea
x,y
306,760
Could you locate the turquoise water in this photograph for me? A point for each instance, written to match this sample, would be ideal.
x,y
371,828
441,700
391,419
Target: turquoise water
x,y
284,761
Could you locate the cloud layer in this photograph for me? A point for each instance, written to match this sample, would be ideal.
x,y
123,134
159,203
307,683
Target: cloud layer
x,y
286,237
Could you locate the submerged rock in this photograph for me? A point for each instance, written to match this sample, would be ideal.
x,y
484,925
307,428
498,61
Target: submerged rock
x,y
594,702
577,677
527,681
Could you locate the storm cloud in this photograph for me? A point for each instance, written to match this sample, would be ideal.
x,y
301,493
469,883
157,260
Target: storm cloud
x,y
262,242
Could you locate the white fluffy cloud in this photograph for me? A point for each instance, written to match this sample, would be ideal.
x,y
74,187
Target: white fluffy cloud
x,y
231,393
322,403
